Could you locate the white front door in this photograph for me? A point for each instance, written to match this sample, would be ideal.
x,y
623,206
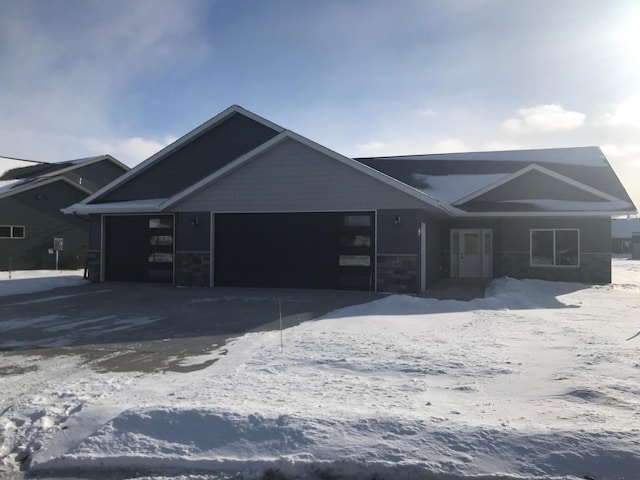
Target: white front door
x,y
470,253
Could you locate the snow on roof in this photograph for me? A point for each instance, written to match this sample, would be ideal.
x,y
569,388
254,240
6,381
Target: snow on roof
x,y
450,188
7,185
586,156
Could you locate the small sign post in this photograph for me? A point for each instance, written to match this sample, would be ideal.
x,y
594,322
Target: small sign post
x,y
57,246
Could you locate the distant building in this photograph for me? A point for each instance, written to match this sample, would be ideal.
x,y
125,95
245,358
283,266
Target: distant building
x,y
622,230
31,197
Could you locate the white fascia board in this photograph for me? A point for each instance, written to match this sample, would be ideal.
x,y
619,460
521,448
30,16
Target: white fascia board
x,y
133,206
540,169
40,183
287,134
138,169
542,214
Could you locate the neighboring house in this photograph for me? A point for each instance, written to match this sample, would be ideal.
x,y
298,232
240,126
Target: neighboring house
x,y
240,201
32,195
622,230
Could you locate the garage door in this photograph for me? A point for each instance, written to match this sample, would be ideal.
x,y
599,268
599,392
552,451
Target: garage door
x,y
296,250
139,248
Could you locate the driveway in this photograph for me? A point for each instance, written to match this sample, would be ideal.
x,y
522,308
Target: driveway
x,y
146,327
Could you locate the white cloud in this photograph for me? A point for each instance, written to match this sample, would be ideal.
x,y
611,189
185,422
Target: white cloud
x,y
68,77
372,147
626,113
449,145
544,118
128,150
496,145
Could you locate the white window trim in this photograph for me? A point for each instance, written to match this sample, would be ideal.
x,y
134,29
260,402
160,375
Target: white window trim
x,y
554,230
11,234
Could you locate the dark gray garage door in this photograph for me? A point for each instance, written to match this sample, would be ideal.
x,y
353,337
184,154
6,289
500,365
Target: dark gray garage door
x,y
298,250
139,248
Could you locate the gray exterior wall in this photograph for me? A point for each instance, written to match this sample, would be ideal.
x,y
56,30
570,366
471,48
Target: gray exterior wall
x,y
194,161
511,247
398,258
38,210
193,232
294,177
94,176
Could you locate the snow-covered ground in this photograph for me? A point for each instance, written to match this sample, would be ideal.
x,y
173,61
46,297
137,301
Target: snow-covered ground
x,y
31,281
538,380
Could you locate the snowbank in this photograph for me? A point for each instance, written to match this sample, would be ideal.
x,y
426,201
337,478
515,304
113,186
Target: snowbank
x,y
31,281
535,381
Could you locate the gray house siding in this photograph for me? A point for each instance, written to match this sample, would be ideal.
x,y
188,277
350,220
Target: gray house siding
x,y
193,249
194,161
95,175
399,250
595,250
294,177
38,210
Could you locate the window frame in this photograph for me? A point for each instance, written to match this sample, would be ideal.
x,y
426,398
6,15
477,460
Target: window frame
x,y
554,258
12,235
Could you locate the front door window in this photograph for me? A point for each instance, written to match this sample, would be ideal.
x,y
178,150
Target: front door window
x,y
471,253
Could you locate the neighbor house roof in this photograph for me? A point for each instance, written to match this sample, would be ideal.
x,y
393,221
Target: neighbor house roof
x,y
557,180
18,175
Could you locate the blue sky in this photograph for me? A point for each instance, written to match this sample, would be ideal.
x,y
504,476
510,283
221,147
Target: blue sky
x,y
365,78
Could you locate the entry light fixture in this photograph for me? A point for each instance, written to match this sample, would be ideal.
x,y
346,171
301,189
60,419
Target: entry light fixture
x,y
195,222
396,220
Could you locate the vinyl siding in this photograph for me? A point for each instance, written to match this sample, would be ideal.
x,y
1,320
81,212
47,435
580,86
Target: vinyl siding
x,y
194,161
294,177
96,175
38,210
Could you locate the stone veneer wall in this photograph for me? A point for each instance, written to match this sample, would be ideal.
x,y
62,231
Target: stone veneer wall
x,y
192,269
398,273
93,266
595,268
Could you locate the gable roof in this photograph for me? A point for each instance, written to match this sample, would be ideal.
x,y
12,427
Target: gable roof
x,y
17,175
463,178
289,135
165,204
165,155
546,172
458,184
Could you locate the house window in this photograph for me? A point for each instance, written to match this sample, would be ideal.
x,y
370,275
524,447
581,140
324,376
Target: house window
x,y
11,231
555,248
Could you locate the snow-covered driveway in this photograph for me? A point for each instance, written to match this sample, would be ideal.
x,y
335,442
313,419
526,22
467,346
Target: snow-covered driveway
x,y
538,380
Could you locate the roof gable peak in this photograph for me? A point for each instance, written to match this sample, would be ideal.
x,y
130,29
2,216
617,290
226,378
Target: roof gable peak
x,y
538,168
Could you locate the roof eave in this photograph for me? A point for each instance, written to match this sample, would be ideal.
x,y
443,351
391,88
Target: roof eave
x,y
287,134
